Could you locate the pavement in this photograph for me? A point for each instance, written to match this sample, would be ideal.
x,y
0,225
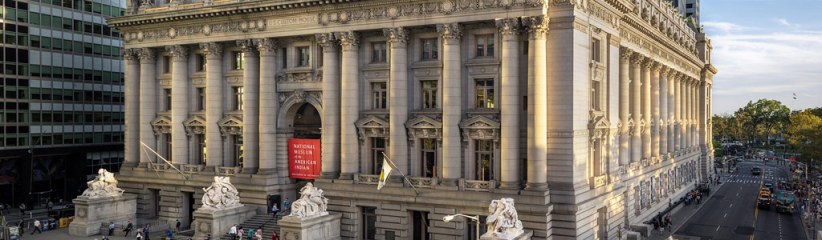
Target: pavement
x,y
682,212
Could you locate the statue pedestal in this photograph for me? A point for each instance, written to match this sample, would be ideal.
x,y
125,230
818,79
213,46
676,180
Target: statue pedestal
x,y
525,235
321,227
89,214
217,221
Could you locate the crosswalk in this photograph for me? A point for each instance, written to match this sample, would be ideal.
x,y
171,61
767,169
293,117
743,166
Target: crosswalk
x,y
750,179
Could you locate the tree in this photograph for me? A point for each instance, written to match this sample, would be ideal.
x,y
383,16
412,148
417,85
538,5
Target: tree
x,y
762,119
805,134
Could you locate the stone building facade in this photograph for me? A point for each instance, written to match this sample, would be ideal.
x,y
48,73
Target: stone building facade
x,y
591,114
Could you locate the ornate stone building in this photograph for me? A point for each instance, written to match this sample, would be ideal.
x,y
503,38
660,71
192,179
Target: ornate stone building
x,y
591,114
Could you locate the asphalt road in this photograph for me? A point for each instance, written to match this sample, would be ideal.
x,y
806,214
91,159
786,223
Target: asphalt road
x,y
732,213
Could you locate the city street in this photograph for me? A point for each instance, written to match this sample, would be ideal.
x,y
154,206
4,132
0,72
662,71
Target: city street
x,y
732,213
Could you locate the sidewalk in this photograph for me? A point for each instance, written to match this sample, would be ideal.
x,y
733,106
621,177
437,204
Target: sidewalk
x,y
682,213
62,234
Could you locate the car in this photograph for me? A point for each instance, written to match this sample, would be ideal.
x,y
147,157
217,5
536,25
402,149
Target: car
x,y
756,171
769,186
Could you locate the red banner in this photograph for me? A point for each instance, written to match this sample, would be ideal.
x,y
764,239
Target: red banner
x,y
304,158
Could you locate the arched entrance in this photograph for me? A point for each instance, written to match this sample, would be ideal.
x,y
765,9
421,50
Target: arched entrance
x,y
307,122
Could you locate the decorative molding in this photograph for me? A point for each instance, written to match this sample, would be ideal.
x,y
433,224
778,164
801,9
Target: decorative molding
x,y
450,32
537,27
230,125
147,55
397,37
424,127
326,40
248,47
349,41
161,125
179,53
131,54
266,46
372,126
509,28
194,125
419,9
212,49
480,127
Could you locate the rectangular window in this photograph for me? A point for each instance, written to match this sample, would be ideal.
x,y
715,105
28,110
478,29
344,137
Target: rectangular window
x,y
237,60
167,146
200,103
199,148
303,56
484,156
420,225
485,45
429,157
238,98
377,150
167,98
201,63
369,223
429,94
379,94
237,150
378,52
429,49
485,93
596,52
166,64
596,92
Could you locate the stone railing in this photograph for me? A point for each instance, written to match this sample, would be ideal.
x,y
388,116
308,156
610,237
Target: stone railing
x,y
366,179
228,171
423,182
634,166
157,166
477,185
600,181
191,168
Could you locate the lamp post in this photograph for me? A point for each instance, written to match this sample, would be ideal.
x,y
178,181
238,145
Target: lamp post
x,y
474,218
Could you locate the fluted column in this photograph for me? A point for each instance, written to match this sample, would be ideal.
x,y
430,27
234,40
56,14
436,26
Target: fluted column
x,y
148,101
131,139
655,110
269,105
214,103
646,108
451,35
331,107
509,103
671,88
678,112
349,101
179,103
251,106
624,105
689,108
663,110
694,112
636,114
398,104
537,103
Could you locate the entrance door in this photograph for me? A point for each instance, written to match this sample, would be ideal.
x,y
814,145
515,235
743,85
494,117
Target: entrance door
x,y
187,210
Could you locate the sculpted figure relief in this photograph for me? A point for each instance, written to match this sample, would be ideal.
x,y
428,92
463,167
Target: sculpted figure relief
x,y
503,222
104,185
311,203
221,194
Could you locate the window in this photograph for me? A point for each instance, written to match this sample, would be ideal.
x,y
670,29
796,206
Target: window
x,y
420,225
378,52
166,64
200,103
377,150
429,157
596,51
303,56
429,94
596,94
485,93
429,49
167,98
199,148
369,223
237,149
201,63
167,146
238,98
597,166
485,45
689,5
237,60
379,94
484,156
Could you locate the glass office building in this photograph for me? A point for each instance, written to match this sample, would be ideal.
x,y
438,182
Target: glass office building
x,y
61,111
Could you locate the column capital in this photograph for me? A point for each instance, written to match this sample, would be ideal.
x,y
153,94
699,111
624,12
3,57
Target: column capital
x,y
327,41
655,66
266,46
450,32
637,58
131,54
664,70
537,27
647,63
397,37
247,46
509,28
212,50
147,55
625,53
349,41
179,53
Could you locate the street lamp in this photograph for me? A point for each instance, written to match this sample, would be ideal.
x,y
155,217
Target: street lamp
x,y
474,218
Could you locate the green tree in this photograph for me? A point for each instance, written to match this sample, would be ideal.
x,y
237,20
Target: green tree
x,y
763,118
805,134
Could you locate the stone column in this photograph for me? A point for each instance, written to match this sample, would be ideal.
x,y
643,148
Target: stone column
x,y
132,104
655,110
251,107
694,113
678,114
537,103
690,111
269,105
214,103
509,103
179,103
349,101
624,105
646,107
451,35
398,102
331,107
148,101
636,114
671,89
663,118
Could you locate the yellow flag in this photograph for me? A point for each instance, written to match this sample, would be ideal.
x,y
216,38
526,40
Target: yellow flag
x,y
386,170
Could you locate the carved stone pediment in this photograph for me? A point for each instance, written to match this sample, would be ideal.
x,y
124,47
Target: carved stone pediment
x,y
161,125
230,125
372,126
424,127
299,75
194,125
480,127
599,121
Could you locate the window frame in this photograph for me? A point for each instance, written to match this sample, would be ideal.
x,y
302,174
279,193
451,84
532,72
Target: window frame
x,y
488,91
431,54
379,52
303,56
478,158
428,94
379,95
484,45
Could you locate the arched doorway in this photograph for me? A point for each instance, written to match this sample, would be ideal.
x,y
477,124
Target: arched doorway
x,y
307,122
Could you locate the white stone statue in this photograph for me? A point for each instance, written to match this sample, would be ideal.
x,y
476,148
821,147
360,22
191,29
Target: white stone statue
x,y
503,222
104,185
311,203
221,194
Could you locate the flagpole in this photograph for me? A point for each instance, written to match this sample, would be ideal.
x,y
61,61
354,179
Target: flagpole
x,y
164,159
400,171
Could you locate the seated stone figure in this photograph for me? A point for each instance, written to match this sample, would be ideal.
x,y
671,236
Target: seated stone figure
x,y
312,203
104,185
503,222
221,194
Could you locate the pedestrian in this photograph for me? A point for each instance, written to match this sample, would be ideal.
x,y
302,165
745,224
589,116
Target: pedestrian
x,y
233,232
60,202
37,227
274,236
286,205
178,225
111,227
274,210
139,235
147,231
22,209
258,234
169,233
249,234
240,233
128,228
50,205
668,222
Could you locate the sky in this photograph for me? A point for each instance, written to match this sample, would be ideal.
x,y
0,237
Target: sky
x,y
765,49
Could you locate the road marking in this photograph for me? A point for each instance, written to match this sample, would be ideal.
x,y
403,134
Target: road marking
x,y
726,215
717,229
732,205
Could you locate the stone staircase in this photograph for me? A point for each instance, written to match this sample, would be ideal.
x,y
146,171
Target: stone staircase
x,y
262,221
